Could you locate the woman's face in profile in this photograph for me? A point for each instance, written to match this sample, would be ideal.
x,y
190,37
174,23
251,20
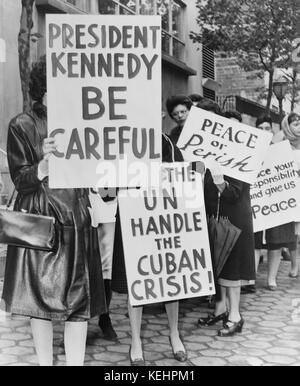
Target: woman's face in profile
x,y
295,124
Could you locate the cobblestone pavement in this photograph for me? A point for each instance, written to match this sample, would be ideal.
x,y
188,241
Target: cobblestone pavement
x,y
271,334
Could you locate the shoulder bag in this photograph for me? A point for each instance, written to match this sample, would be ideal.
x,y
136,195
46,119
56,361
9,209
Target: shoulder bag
x,y
26,230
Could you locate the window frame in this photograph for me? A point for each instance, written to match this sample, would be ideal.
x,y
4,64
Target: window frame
x,y
169,33
86,9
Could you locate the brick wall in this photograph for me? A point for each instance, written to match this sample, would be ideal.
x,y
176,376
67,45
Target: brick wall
x,y
235,81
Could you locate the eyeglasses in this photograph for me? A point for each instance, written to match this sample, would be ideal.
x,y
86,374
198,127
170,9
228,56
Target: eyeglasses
x,y
179,113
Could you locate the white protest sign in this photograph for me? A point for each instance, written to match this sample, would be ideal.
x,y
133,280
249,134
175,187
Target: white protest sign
x,y
274,195
297,158
239,149
165,240
104,98
2,51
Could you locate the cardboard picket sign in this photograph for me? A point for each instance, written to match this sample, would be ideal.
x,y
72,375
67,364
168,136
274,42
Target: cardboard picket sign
x,y
239,149
297,157
165,240
275,198
104,98
296,154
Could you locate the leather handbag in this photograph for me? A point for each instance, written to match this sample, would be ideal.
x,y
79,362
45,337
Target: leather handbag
x,y
26,230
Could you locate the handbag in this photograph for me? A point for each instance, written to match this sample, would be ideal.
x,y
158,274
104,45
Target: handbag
x,y
26,230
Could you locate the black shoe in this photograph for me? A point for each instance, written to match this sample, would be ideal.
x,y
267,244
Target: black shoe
x,y
211,319
137,361
248,289
180,356
231,330
107,329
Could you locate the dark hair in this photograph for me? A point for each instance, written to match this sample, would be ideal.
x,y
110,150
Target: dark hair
x,y
196,97
176,100
38,80
210,105
262,119
291,116
233,114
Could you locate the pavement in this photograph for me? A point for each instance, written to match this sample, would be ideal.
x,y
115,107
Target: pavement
x,y
271,334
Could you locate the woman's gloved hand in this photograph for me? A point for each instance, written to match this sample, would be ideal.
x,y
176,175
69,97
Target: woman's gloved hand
x,y
49,147
216,173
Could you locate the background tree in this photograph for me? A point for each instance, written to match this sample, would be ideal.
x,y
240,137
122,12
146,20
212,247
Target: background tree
x,y
258,32
293,94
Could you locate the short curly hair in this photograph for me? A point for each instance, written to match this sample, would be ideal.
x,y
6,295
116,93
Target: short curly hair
x,y
196,97
176,100
210,105
262,119
233,114
38,80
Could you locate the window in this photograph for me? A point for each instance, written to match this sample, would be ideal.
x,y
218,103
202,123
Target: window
x,y
107,7
171,12
210,94
208,59
84,5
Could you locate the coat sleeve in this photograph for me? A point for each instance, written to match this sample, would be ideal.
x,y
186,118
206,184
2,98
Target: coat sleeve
x,y
22,167
233,190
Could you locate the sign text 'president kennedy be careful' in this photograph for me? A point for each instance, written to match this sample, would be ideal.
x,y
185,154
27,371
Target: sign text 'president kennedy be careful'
x,y
104,97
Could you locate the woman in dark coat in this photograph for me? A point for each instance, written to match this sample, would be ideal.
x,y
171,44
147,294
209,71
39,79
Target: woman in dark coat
x,y
281,236
230,198
239,269
170,153
64,284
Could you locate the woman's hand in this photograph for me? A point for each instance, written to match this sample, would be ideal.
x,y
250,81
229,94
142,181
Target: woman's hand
x,y
49,147
217,176
216,173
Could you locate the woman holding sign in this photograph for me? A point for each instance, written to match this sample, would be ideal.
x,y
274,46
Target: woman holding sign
x,y
170,153
291,128
228,197
281,236
64,284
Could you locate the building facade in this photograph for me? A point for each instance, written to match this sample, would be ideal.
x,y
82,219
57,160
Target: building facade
x,y
186,67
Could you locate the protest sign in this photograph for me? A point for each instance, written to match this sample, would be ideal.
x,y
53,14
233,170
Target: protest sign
x,y
275,194
104,98
239,149
165,240
296,154
2,51
297,157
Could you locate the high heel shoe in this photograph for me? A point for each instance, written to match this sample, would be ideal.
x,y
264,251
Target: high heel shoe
x,y
137,361
180,356
293,276
228,330
211,319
